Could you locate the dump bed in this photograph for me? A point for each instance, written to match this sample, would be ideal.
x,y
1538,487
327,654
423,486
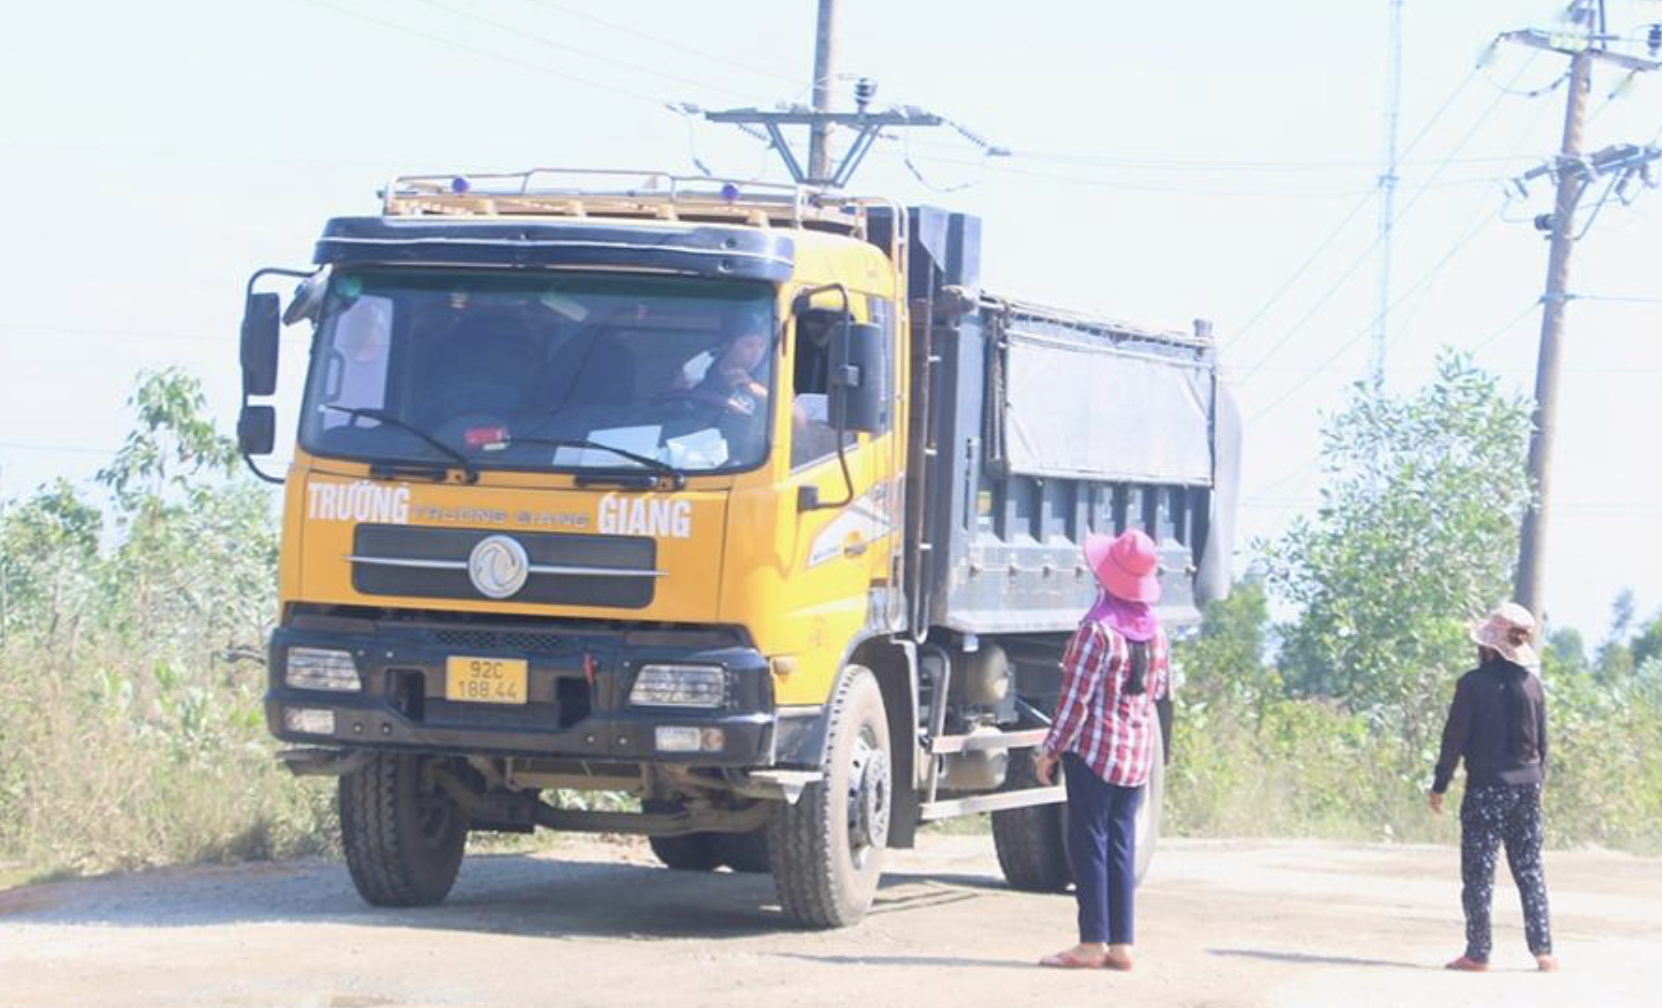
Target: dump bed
x,y
1035,427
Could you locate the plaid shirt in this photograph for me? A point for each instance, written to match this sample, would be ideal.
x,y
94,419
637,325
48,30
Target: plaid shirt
x,y
1110,729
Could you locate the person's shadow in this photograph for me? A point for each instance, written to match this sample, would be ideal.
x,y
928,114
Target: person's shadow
x,y
1306,959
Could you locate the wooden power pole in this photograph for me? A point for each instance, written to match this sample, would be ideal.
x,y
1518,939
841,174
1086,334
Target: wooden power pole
x,y
819,136
1573,172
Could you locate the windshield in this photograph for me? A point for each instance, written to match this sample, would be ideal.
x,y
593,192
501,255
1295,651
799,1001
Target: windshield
x,y
545,371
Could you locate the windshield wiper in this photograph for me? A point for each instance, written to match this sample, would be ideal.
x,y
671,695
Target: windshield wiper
x,y
469,473
677,478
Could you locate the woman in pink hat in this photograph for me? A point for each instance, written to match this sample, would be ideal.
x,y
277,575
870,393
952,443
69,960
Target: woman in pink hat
x,y
1498,725
1113,670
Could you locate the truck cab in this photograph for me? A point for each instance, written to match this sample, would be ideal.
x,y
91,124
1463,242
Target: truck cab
x,y
635,484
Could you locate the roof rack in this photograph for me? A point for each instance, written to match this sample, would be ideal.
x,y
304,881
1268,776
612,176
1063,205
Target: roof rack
x,y
1100,326
602,192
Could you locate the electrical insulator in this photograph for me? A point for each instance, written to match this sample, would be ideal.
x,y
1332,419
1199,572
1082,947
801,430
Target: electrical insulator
x,y
1653,39
865,89
1543,222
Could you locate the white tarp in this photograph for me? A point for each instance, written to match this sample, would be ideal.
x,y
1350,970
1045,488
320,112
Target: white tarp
x,y
1087,411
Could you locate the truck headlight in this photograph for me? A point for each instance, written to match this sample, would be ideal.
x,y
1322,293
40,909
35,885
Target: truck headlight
x,y
309,721
321,669
679,686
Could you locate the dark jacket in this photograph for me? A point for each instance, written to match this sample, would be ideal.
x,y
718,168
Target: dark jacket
x,y
1498,724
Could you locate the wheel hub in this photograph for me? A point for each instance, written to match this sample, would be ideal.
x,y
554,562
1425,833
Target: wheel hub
x,y
868,799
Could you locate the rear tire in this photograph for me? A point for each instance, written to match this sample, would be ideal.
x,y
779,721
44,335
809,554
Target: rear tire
x,y
689,852
826,850
1032,842
745,852
1149,814
685,851
403,836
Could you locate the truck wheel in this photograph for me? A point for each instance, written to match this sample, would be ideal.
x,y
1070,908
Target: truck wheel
x,y
403,836
826,850
745,852
688,852
684,851
1148,815
1032,842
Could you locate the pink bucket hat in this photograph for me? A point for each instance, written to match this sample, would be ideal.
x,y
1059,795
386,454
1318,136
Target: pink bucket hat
x,y
1508,630
1126,565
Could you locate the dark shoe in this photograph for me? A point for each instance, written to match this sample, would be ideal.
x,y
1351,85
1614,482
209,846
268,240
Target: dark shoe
x,y
1466,964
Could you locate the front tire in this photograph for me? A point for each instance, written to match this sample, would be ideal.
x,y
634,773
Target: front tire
x,y
826,850
403,836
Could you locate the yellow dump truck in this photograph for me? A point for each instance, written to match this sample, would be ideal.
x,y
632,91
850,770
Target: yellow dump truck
x,y
744,502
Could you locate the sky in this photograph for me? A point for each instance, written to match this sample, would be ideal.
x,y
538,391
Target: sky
x,y
1168,161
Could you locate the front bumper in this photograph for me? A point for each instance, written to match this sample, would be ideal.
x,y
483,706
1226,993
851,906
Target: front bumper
x,y
577,702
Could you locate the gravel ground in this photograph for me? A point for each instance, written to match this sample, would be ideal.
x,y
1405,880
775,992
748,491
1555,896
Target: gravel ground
x,y
1221,923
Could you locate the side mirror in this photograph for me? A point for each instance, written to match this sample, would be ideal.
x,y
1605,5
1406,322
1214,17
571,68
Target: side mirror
x,y
859,386
257,430
260,325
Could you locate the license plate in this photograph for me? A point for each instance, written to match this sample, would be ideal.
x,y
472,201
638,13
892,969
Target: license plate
x,y
485,680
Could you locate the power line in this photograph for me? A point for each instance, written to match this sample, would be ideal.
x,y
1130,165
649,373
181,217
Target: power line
x,y
76,449
1483,222
1180,190
1615,299
1357,263
526,33
68,330
489,53
1203,165
1367,198
678,46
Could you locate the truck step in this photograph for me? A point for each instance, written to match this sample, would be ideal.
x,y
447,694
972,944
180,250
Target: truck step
x,y
1002,740
931,811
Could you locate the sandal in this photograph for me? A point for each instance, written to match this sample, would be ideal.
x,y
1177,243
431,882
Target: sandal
x,y
1465,964
1071,960
1547,963
1117,962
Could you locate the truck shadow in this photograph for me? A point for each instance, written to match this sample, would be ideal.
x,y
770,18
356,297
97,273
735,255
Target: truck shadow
x,y
505,894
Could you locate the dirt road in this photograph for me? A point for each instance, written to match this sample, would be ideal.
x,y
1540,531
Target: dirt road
x,y
1221,924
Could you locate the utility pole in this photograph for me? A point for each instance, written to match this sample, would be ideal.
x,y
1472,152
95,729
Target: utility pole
x,y
1387,192
819,137
1573,175
822,170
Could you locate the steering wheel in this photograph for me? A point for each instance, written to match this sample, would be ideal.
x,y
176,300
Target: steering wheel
x,y
470,399
690,400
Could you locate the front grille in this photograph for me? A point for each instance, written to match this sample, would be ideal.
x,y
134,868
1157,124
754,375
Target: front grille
x,y
518,641
450,548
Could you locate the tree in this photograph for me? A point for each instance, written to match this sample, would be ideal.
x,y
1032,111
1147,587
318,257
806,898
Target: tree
x,y
1225,662
1565,654
48,550
195,563
172,442
1647,642
1415,535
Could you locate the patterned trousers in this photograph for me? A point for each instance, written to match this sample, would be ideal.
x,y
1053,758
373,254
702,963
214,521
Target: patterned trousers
x,y
1490,816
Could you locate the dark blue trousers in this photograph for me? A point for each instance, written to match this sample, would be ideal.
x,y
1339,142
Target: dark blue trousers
x,y
1102,846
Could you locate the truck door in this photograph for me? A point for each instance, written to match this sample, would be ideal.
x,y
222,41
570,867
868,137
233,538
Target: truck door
x,y
848,527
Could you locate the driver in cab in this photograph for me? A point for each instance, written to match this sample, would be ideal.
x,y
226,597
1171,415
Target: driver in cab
x,y
726,376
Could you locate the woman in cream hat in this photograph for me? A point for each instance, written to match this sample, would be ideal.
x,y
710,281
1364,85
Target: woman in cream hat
x,y
1498,725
